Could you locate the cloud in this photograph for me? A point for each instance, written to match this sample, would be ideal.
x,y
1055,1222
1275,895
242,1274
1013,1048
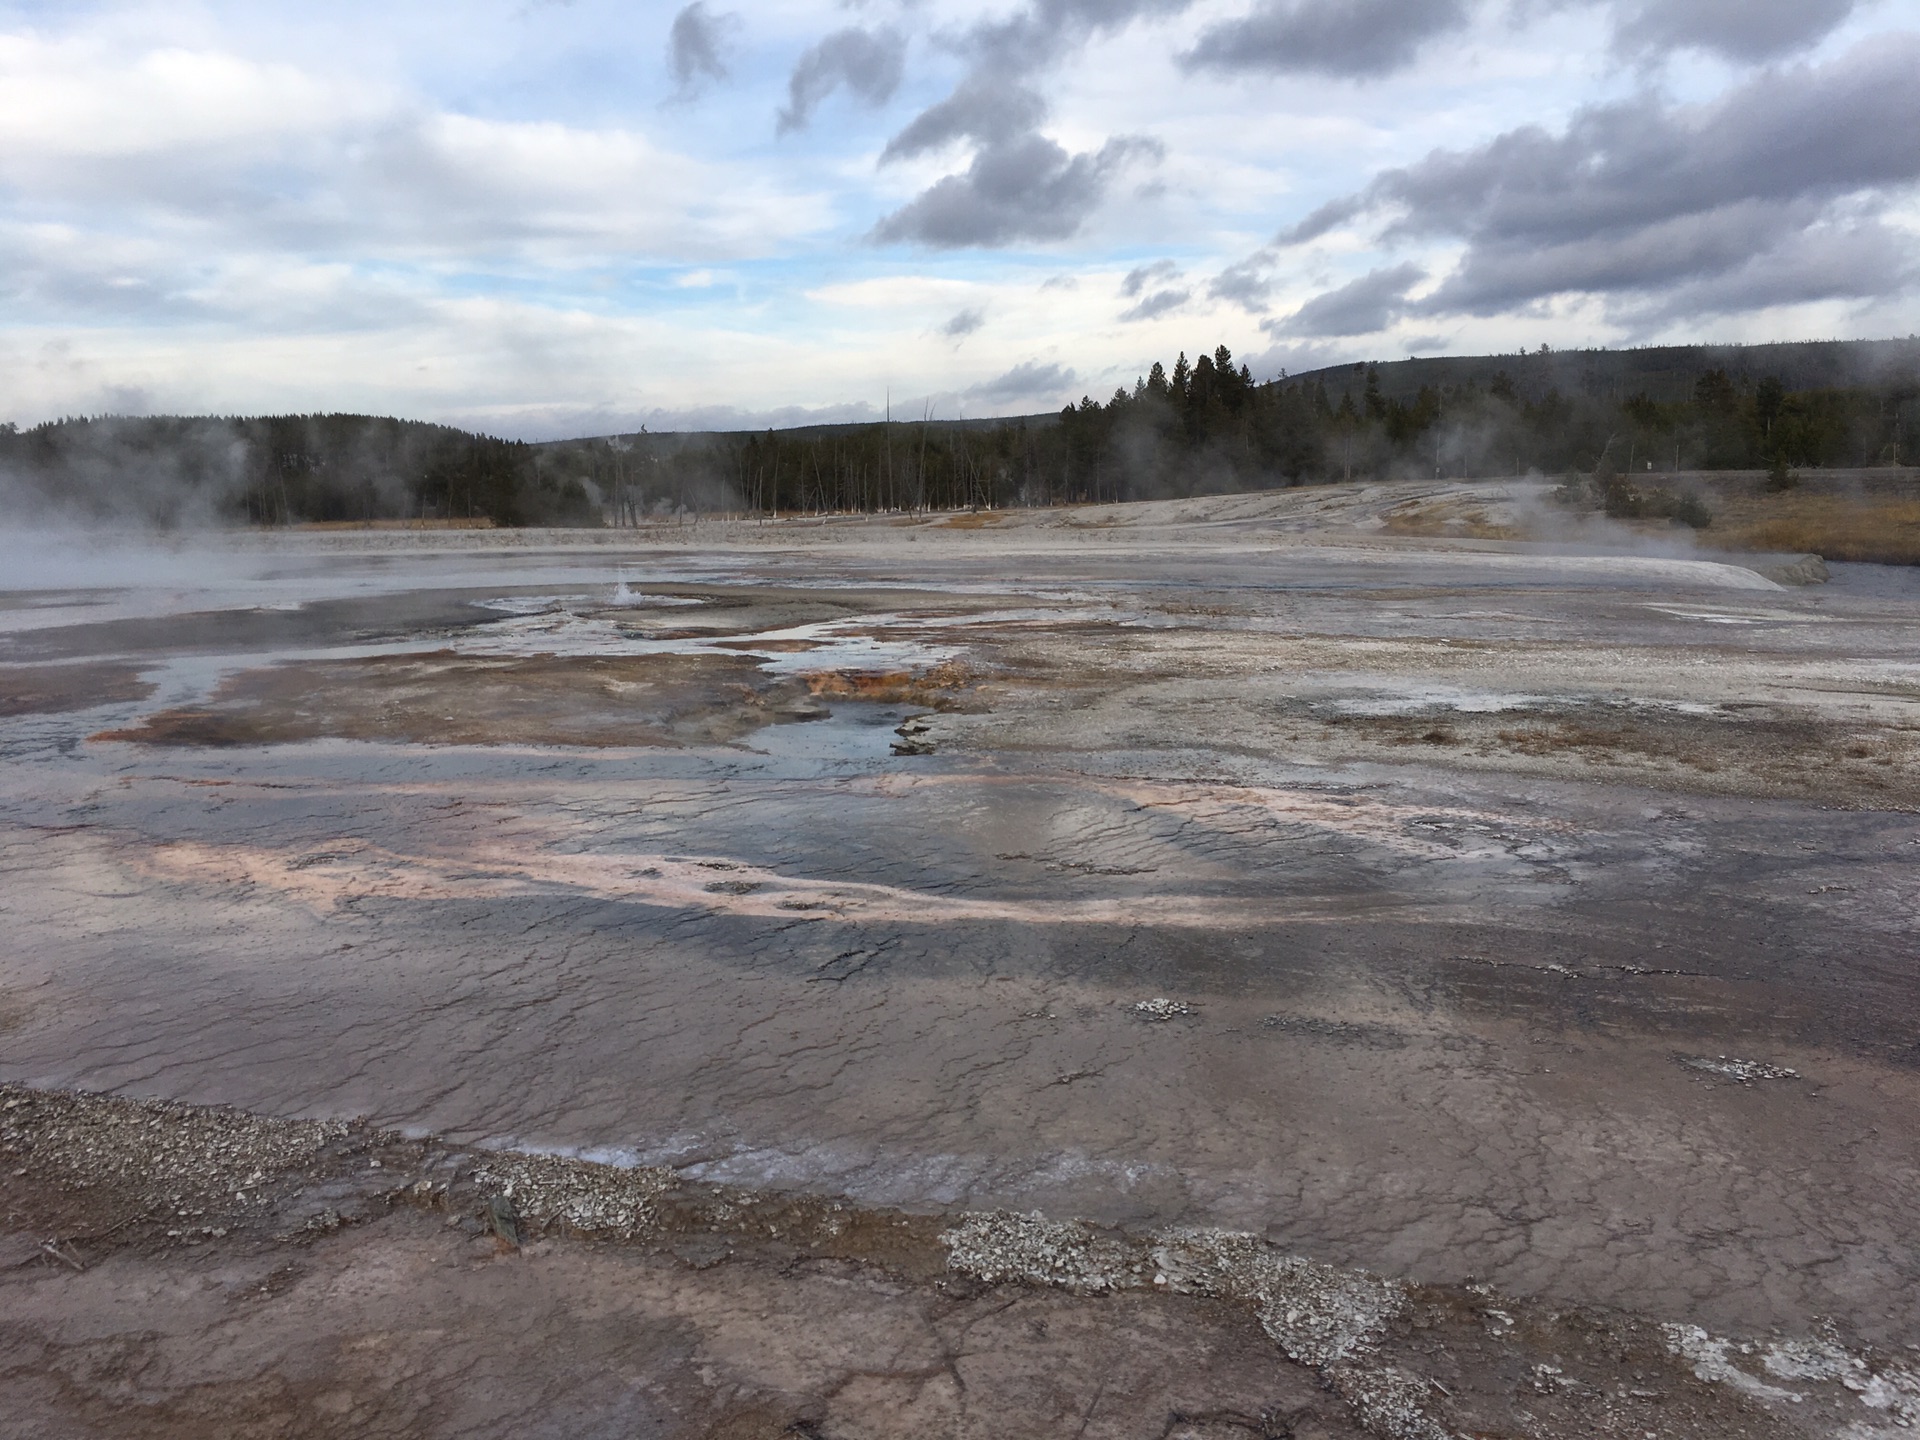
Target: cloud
x,y
1863,261
1749,30
79,102
206,164
696,46
964,324
1040,34
1029,382
990,109
1142,276
461,184
1021,184
868,63
261,207
1151,302
1028,188
1353,39
1247,283
1297,357
1360,307
58,274
1657,207
1157,303
993,103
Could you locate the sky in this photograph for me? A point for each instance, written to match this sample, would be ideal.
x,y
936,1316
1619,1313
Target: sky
x,y
561,217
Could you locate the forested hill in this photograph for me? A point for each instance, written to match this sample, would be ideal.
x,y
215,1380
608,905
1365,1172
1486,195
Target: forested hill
x,y
1184,428
1665,374
172,471
1207,426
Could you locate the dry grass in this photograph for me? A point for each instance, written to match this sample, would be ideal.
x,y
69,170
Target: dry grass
x,y
1549,737
1834,527
1446,522
973,519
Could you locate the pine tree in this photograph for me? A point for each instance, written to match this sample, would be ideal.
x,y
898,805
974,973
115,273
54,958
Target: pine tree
x,y
1768,400
1201,388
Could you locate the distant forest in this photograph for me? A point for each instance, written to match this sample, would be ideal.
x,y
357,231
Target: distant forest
x,y
173,471
1208,427
1195,428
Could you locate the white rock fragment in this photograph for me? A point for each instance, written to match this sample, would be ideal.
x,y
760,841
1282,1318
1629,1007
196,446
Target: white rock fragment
x,y
1161,1009
1711,1363
1388,1402
1745,1071
1895,1388
602,1198
1813,1360
1317,1314
998,1246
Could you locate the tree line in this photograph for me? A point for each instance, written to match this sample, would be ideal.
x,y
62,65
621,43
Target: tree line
x,y
1208,426
174,471
1205,426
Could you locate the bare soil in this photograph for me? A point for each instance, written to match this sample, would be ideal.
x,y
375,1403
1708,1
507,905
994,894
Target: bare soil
x,y
50,689
443,698
169,1271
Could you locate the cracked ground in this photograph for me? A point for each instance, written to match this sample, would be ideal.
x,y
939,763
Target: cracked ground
x,y
1467,915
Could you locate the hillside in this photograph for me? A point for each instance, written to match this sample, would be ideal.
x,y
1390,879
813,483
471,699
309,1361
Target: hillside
x,y
174,471
1665,374
1205,427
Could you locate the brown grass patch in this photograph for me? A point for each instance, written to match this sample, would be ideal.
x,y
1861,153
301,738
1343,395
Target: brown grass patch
x,y
1443,522
1604,743
1437,735
1835,527
973,519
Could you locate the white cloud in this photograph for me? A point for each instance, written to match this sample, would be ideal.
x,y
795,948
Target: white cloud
x,y
248,154
82,99
520,216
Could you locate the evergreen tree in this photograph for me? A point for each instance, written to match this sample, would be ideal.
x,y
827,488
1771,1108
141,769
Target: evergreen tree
x,y
1713,392
1768,398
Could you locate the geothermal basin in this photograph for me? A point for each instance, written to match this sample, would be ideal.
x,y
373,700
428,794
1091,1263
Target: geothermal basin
x,y
1198,968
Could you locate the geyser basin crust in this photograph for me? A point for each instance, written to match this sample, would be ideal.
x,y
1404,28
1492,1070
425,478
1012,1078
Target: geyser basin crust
x,y
1453,912
442,698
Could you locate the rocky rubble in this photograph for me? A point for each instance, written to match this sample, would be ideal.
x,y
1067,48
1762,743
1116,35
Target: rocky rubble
x,y
90,1177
